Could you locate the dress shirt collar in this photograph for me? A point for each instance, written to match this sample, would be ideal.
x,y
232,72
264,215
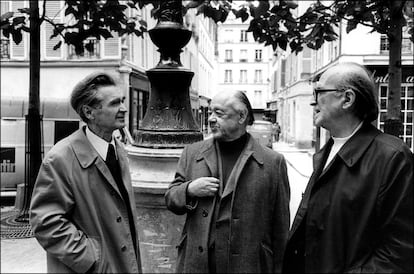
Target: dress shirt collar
x,y
99,144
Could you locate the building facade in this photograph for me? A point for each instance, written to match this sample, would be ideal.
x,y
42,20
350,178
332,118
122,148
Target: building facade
x,y
292,82
243,64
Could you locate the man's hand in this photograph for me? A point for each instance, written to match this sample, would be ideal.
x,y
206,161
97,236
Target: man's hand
x,y
203,187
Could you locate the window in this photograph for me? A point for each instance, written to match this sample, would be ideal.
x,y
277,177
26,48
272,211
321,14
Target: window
x,y
258,76
258,55
228,55
93,44
243,36
8,159
258,97
243,55
406,45
407,111
228,35
5,48
283,74
384,44
228,77
243,76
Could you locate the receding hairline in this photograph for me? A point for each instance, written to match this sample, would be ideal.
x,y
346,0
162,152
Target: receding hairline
x,y
341,73
230,99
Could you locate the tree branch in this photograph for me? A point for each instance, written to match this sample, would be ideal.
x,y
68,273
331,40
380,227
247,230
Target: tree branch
x,y
50,21
44,12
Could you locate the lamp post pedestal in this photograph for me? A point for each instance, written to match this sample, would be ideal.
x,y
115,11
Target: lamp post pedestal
x,y
159,230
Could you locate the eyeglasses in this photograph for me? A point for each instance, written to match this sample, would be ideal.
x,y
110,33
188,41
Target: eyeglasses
x,y
316,91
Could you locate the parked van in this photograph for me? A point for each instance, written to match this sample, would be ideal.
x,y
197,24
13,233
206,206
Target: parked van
x,y
262,132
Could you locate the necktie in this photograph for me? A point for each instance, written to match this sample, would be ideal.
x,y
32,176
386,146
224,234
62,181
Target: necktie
x,y
111,160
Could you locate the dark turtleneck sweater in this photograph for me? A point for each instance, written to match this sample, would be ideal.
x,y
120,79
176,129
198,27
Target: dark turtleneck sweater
x,y
230,152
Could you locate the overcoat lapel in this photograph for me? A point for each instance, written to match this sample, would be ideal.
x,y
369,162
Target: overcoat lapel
x,y
209,155
87,156
240,165
319,160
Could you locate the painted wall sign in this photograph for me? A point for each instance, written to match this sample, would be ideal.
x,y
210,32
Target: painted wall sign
x,y
381,75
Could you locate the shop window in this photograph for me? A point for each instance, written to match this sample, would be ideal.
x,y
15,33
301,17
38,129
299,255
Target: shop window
x,y
407,109
8,159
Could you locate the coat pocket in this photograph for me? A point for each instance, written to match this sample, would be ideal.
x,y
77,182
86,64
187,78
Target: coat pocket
x,y
97,248
266,259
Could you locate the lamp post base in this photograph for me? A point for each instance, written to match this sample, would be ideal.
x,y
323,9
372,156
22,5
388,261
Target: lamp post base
x,y
159,230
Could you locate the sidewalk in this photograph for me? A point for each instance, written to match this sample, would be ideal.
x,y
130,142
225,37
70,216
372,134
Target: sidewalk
x,y
299,159
21,255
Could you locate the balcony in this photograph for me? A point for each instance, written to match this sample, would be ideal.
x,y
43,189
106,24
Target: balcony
x,y
91,44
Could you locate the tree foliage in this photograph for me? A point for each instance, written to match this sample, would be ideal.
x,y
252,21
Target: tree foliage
x,y
273,23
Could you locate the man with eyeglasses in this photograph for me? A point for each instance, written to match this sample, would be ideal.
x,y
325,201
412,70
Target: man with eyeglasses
x,y
83,210
356,215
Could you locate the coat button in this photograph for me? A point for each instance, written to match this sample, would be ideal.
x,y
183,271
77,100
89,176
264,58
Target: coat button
x,y
123,248
200,248
119,219
205,213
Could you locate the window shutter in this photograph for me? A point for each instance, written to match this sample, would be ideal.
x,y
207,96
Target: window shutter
x,y
18,51
112,47
53,11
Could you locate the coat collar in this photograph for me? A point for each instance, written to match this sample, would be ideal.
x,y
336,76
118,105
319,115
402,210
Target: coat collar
x,y
87,156
83,149
353,150
208,153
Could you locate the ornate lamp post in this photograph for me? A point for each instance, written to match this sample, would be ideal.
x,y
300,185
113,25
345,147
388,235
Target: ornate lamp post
x,y
168,122
167,126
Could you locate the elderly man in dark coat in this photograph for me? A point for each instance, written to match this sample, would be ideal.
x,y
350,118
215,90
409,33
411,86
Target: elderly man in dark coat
x,y
356,215
235,193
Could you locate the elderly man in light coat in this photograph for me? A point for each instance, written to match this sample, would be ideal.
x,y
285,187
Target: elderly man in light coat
x,y
83,210
235,193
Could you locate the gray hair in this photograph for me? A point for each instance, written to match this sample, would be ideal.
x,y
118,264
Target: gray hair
x,y
360,80
242,98
85,92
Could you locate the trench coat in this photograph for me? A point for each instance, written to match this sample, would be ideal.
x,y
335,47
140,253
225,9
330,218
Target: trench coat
x,y
356,216
259,210
77,212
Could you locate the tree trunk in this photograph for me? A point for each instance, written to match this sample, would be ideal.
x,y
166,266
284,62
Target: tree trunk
x,y
393,124
33,126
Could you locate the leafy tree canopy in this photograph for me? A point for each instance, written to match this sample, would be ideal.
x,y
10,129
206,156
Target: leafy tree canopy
x,y
274,23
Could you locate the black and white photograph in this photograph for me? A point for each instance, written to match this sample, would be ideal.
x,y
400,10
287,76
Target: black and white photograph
x,y
207,136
